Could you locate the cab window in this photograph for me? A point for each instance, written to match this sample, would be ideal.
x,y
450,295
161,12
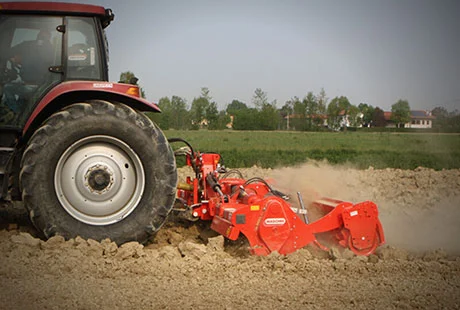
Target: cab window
x,y
29,47
83,52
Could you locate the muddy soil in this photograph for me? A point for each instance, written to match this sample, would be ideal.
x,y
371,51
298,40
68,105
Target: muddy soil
x,y
187,267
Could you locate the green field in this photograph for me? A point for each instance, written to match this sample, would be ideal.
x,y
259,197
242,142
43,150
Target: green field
x,y
361,150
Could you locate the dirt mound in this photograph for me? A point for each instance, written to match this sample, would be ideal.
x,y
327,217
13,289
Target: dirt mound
x,y
188,266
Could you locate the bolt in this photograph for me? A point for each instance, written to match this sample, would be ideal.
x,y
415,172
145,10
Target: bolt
x,y
99,179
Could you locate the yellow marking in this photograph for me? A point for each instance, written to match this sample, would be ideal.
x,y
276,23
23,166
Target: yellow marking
x,y
255,208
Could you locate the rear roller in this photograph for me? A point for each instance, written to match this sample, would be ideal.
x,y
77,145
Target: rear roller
x,y
363,251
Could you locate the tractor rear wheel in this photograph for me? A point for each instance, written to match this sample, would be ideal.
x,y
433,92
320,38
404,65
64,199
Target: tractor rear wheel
x,y
98,170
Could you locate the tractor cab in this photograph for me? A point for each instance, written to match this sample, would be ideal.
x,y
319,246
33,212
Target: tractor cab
x,y
39,51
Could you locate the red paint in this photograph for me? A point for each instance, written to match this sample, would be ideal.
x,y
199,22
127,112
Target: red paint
x,y
94,86
53,7
268,221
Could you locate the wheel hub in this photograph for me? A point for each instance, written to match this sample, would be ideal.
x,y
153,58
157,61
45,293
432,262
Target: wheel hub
x,y
99,180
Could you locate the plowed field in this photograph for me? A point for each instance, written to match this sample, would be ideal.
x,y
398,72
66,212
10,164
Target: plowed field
x,y
186,267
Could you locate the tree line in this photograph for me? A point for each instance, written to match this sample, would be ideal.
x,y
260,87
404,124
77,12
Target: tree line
x,y
313,112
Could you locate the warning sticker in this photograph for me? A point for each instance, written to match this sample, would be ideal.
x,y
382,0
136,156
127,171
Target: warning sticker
x,y
79,57
103,85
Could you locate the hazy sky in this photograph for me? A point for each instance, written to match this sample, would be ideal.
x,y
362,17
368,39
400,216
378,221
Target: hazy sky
x,y
370,51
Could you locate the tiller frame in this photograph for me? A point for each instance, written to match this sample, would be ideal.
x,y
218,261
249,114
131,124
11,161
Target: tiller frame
x,y
265,216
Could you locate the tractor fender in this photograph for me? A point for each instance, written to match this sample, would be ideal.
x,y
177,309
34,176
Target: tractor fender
x,y
70,92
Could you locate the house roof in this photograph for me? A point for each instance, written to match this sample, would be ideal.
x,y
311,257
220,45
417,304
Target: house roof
x,y
415,114
421,114
387,115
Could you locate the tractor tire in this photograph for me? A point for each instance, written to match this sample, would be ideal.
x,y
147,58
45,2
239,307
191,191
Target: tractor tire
x,y
98,170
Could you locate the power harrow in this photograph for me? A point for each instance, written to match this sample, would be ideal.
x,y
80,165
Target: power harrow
x,y
265,216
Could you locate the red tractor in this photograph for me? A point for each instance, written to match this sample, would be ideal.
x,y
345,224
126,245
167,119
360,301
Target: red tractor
x,y
75,148
86,161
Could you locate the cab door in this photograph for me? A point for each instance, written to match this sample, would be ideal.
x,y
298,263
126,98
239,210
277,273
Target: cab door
x,y
30,62
30,58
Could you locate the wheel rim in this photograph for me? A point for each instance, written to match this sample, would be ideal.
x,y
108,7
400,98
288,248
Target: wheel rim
x,y
99,180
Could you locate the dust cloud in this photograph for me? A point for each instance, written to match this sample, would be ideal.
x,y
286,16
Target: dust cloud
x,y
425,229
419,209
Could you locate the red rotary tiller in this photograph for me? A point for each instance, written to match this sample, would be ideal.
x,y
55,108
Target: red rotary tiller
x,y
265,216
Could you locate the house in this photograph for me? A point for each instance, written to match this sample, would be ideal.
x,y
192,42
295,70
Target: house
x,y
418,119
347,121
321,120
389,122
